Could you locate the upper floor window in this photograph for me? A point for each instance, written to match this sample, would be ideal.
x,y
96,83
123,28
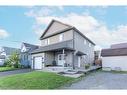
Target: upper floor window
x,y
47,41
90,44
85,41
61,37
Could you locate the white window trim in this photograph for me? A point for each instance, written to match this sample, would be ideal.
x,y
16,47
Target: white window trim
x,y
45,41
48,41
90,44
85,41
61,37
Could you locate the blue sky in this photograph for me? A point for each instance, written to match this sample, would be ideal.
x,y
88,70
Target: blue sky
x,y
99,23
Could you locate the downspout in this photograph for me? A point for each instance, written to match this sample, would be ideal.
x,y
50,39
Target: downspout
x,y
63,56
73,51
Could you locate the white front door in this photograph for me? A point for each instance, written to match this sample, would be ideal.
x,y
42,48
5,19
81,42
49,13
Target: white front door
x,y
61,59
79,61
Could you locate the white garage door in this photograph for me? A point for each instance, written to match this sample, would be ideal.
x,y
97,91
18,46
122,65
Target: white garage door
x,y
38,63
115,62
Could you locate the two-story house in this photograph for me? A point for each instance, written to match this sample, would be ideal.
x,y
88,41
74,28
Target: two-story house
x,y
63,45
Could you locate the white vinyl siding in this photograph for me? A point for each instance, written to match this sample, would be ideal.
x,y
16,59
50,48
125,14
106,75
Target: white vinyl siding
x,y
115,62
58,38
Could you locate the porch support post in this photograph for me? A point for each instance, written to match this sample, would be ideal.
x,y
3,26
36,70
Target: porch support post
x,y
73,61
63,51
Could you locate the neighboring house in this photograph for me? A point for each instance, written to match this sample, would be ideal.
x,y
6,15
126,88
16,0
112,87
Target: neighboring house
x,y
115,57
5,52
97,57
2,59
63,45
25,55
97,54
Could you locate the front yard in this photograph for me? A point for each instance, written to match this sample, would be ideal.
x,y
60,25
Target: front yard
x,y
34,80
6,69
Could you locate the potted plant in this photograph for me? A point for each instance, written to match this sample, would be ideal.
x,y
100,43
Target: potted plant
x,y
87,66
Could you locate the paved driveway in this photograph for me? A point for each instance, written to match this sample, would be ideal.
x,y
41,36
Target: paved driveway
x,y
101,80
6,73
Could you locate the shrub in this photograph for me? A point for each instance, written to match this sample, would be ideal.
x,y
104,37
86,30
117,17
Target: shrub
x,y
8,63
17,65
54,63
87,66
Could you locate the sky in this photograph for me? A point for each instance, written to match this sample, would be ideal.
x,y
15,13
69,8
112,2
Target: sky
x,y
104,25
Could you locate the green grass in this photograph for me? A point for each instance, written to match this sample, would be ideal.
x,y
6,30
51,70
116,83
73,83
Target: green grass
x,y
34,80
6,69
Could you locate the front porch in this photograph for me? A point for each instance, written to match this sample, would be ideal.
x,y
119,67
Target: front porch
x,y
56,69
70,72
61,58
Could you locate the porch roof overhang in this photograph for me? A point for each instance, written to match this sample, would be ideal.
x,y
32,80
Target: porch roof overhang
x,y
67,45
79,53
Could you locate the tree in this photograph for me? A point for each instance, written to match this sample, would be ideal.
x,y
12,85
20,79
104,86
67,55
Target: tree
x,y
13,60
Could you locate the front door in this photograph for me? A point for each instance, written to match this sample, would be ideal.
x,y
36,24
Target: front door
x,y
61,59
79,61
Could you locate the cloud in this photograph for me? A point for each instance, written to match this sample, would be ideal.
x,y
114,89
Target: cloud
x,y
105,37
84,23
3,33
39,11
93,28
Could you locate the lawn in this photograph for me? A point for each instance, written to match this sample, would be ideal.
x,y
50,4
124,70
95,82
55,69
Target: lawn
x,y
34,80
6,69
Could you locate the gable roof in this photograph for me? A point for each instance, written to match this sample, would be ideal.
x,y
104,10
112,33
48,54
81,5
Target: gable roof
x,y
64,30
83,35
30,46
10,50
120,45
50,26
114,52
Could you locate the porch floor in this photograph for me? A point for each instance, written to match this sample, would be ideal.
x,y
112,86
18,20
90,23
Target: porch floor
x,y
69,71
56,69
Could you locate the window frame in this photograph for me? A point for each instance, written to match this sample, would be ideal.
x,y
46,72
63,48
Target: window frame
x,y
48,41
90,45
85,42
61,37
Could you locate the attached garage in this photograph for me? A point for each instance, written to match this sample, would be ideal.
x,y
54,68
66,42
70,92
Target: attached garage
x,y
114,59
37,62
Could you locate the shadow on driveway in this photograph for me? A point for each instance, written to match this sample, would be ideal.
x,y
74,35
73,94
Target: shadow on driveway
x,y
7,73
